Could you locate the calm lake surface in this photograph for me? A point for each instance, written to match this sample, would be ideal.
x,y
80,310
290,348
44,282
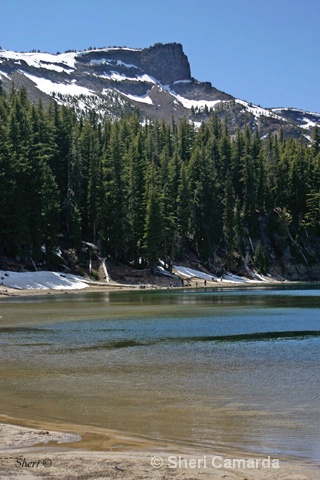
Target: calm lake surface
x,y
229,370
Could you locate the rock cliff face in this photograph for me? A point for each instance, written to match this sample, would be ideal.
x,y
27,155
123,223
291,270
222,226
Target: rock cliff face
x,y
167,63
156,80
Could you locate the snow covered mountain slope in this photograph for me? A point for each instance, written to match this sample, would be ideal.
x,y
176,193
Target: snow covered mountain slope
x,y
156,80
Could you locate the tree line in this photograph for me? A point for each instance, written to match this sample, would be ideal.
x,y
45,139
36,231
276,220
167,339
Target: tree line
x,y
152,191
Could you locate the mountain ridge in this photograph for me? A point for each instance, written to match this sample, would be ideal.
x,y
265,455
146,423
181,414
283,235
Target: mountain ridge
x,y
157,80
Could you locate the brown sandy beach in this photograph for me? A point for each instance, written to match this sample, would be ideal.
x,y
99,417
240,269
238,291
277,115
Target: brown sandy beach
x,y
85,453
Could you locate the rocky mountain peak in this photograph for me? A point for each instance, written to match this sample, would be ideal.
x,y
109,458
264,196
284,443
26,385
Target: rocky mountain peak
x,y
166,62
156,80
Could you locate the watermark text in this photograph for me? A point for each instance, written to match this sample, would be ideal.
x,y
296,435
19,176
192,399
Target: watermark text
x,y
214,461
23,462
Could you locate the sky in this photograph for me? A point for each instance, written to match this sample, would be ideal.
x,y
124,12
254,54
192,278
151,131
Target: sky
x,y
262,51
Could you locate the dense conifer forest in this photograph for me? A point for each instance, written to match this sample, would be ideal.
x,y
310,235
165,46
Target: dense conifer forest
x,y
155,191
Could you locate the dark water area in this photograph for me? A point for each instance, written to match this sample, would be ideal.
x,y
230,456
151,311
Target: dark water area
x,y
233,369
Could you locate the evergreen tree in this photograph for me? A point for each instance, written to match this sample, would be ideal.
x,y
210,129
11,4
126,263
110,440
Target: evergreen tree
x,y
228,213
73,202
115,215
261,259
151,191
50,209
136,197
316,140
183,207
153,234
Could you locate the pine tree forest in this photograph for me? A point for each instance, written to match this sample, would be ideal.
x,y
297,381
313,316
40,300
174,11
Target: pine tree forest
x,y
156,191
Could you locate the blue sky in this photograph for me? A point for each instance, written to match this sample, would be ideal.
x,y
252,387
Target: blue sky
x,y
266,51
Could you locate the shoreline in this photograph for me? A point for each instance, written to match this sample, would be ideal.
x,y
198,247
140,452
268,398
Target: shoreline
x,y
9,292
75,451
43,282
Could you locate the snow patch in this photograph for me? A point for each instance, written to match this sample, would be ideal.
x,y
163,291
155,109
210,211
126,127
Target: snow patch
x,y
146,78
197,103
107,61
128,65
41,280
196,125
2,74
298,110
120,77
258,112
101,61
117,77
49,87
191,273
187,272
191,103
108,49
181,81
308,123
229,277
143,99
279,110
42,60
56,68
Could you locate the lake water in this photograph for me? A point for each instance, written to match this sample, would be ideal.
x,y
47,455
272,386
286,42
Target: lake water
x,y
222,370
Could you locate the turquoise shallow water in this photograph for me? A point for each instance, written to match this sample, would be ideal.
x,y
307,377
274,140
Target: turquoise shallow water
x,y
219,370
